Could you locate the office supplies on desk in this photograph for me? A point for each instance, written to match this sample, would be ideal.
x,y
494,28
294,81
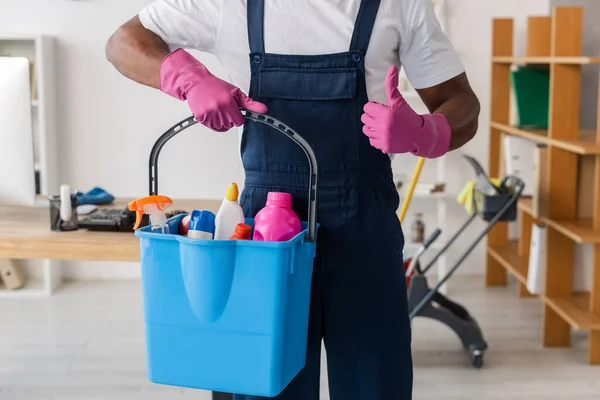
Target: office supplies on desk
x,y
96,196
110,219
86,209
116,219
58,213
68,209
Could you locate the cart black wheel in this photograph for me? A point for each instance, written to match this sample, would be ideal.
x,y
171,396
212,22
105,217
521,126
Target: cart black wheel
x,y
477,359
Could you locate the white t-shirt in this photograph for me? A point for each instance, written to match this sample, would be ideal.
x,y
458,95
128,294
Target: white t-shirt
x,y
406,33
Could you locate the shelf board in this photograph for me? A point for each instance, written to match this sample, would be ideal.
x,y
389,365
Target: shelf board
x,y
574,309
585,145
547,60
578,230
524,204
508,257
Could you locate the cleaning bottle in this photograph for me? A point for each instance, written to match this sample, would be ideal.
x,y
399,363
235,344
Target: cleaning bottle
x,y
155,207
229,215
277,222
184,225
242,232
202,225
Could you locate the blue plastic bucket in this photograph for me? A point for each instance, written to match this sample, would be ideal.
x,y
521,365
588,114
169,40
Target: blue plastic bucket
x,y
224,315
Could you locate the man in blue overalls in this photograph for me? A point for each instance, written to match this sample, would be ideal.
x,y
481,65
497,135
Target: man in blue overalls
x,y
329,69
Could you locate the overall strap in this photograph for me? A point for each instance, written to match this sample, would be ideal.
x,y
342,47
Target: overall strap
x,y
255,20
363,26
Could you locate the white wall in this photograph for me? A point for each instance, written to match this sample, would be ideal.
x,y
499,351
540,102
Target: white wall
x,y
104,116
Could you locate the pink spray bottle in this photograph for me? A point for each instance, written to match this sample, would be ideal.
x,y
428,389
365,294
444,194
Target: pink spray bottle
x,y
277,222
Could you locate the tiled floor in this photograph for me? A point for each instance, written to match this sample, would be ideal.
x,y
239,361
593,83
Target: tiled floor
x,y
87,342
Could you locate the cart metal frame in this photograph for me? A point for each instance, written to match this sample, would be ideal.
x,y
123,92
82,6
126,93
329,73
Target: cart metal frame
x,y
424,301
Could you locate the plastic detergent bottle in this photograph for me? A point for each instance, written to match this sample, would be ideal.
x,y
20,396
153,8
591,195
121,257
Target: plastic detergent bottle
x,y
242,232
277,222
184,225
155,207
202,225
229,215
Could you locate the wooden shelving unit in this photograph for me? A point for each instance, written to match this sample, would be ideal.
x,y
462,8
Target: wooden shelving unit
x,y
554,42
585,144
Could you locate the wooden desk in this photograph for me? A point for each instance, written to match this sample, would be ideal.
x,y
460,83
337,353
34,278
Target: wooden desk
x,y
25,234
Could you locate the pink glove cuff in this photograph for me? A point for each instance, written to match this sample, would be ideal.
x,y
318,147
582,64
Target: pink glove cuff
x,y
177,71
432,140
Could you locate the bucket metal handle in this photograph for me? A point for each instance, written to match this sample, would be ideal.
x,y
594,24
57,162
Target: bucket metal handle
x,y
263,119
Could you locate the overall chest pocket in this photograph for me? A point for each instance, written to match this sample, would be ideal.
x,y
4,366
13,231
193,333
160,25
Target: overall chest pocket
x,y
308,84
321,105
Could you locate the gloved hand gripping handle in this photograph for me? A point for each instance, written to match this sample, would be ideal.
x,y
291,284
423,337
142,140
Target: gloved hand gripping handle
x,y
263,119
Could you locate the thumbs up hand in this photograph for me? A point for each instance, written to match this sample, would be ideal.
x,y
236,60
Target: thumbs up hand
x,y
396,128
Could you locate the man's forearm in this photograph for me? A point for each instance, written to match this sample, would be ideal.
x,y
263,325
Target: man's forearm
x,y
458,103
462,112
137,53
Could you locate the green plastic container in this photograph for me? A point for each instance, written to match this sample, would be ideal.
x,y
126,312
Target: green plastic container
x,y
532,96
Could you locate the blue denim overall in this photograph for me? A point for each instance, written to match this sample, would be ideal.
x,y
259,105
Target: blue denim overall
x,y
358,304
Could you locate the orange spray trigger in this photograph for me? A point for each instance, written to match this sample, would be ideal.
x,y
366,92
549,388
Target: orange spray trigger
x,y
154,206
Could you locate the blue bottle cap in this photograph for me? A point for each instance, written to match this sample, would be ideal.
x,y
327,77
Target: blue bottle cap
x,y
203,221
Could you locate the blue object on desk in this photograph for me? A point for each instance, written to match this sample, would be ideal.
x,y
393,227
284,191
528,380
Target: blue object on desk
x,y
96,196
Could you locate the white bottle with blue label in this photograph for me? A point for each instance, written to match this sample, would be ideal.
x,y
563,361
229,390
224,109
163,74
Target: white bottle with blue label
x,y
202,225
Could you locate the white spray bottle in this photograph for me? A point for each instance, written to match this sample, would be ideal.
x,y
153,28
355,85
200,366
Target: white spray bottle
x,y
155,207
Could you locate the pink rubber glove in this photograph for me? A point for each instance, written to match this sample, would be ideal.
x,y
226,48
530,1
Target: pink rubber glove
x,y
214,102
397,128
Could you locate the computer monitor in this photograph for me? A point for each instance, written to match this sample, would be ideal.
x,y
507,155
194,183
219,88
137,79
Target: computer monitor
x,y
17,175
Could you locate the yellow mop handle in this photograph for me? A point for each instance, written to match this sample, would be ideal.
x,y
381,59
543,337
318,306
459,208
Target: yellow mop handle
x,y
411,188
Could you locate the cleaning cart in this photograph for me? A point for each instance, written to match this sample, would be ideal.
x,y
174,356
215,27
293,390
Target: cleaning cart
x,y
227,315
489,201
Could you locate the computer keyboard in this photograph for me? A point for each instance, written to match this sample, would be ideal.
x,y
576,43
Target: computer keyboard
x,y
107,214
116,220
110,219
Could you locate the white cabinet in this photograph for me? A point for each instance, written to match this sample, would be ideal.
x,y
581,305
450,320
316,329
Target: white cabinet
x,y
40,51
